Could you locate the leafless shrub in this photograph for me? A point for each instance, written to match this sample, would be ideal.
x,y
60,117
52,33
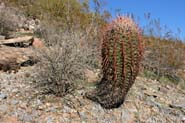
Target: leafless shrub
x,y
63,61
10,19
90,43
72,48
165,59
163,51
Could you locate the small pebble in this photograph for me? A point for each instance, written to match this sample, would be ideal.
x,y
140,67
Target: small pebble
x,y
3,96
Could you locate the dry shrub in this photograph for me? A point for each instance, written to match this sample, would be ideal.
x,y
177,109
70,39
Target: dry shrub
x,y
164,57
63,61
164,51
10,19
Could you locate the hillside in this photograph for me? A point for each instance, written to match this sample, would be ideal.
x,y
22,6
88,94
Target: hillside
x,y
36,52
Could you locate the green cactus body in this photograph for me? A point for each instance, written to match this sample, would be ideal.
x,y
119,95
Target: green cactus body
x,y
121,55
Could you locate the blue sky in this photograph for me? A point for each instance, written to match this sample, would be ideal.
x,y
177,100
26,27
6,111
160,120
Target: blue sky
x,y
170,12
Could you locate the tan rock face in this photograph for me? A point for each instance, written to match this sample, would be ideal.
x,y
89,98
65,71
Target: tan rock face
x,y
37,43
11,58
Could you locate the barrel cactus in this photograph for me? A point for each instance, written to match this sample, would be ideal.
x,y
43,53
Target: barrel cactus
x,y
121,52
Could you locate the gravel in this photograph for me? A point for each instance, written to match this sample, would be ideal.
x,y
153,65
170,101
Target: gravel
x,y
145,103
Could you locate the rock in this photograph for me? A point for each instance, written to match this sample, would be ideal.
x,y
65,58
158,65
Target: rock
x,y
37,43
179,106
12,58
91,75
148,102
66,109
2,37
38,102
3,96
183,119
23,105
35,113
15,90
31,27
127,116
27,118
14,102
2,5
3,108
149,93
24,116
32,24
49,119
83,116
10,120
163,89
25,39
51,109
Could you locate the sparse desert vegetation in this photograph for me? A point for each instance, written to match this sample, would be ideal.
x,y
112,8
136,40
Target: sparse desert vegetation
x,y
55,54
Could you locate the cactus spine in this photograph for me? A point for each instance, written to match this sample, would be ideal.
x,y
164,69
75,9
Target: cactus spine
x,y
121,55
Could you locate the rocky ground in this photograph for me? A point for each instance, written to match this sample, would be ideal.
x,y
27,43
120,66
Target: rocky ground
x,y
148,101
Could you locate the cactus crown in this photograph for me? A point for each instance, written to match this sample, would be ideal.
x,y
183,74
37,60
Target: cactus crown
x,y
121,55
123,22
